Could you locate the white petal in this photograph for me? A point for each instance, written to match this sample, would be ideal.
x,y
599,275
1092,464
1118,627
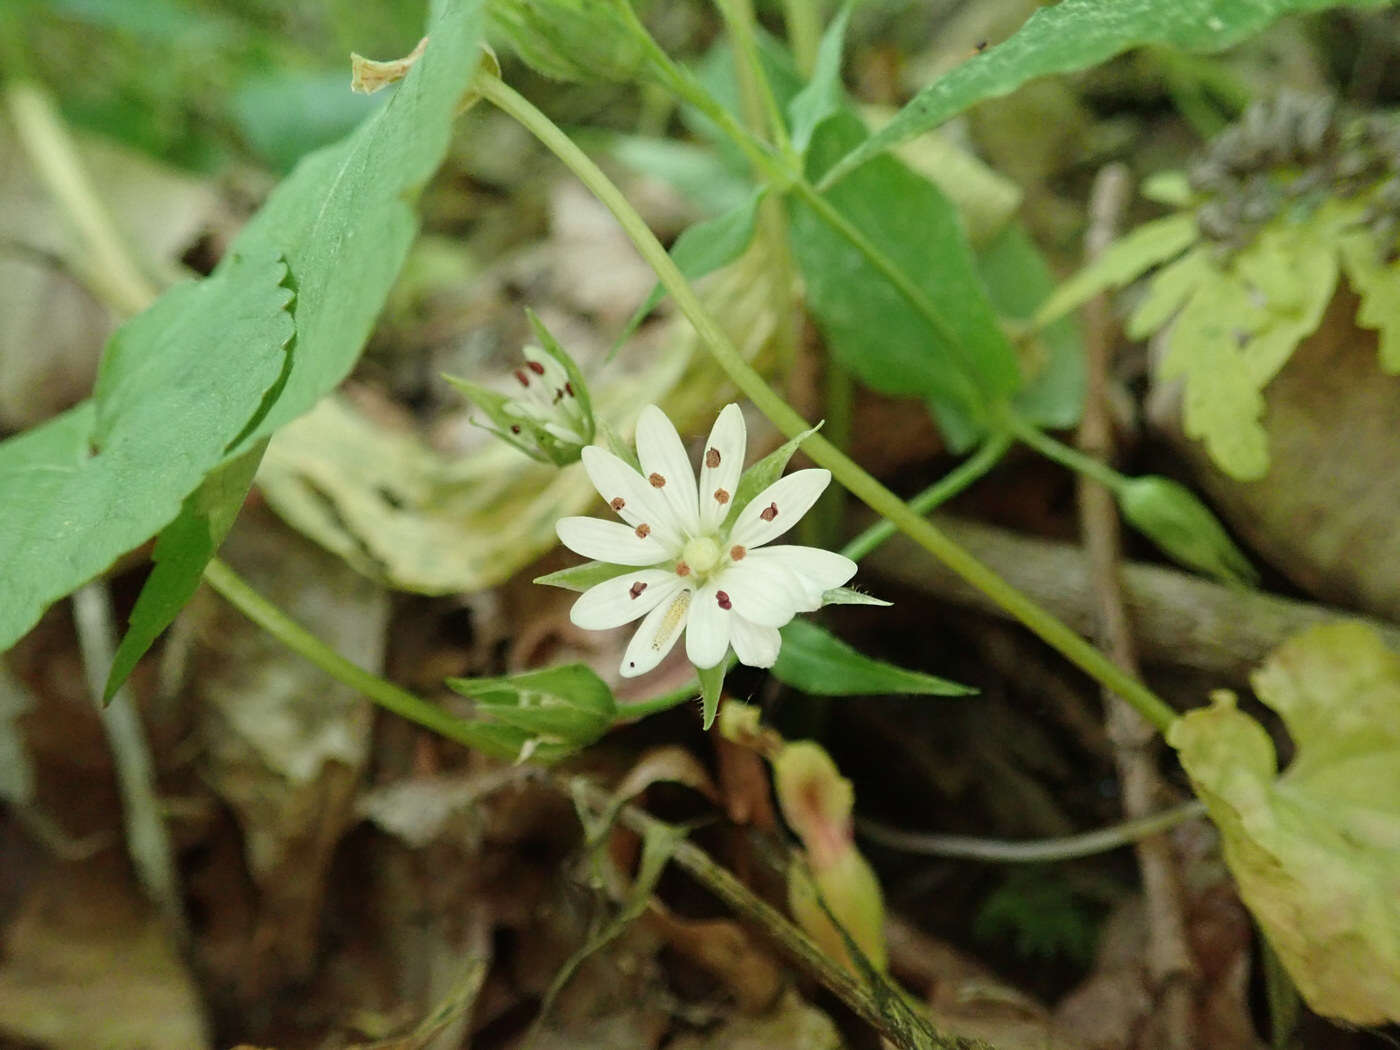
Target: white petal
x,y
725,447
754,645
785,501
818,570
609,541
623,598
707,632
615,481
766,593
666,468
656,635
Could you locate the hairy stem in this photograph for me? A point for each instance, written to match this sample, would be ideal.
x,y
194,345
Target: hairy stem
x,y
843,468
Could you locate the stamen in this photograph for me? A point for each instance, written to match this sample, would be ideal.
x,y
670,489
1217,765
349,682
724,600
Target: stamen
x,y
637,589
524,379
643,531
657,481
712,458
723,600
721,497
536,367
737,552
515,428
682,569
770,513
558,396
618,503
569,389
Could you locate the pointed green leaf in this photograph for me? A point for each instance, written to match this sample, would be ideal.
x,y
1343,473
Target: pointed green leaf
x,y
962,363
1315,852
546,714
182,550
1073,35
817,662
822,95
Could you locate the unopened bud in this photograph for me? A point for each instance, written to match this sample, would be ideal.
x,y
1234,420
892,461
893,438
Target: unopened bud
x,y
1183,527
547,415
584,41
816,801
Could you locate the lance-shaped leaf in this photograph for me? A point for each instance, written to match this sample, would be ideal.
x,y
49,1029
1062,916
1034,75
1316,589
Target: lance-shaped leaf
x,y
1316,851
817,662
1073,35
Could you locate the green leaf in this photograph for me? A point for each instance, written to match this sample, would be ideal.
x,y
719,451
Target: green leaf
x,y
1018,279
822,95
1377,282
1074,35
817,662
711,686
1237,320
543,715
869,325
1125,260
702,249
344,218
763,473
582,577
177,385
182,550
1315,852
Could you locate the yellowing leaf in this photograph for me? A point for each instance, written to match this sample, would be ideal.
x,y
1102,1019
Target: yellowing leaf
x,y
1237,320
1378,285
1316,851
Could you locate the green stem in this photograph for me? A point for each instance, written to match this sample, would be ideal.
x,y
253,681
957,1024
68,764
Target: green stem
x,y
1064,455
297,638
760,104
945,488
843,468
784,177
804,32
1036,851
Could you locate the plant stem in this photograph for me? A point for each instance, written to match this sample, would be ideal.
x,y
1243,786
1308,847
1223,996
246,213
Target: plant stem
x,y
804,32
1036,851
294,636
1064,455
845,470
945,488
107,267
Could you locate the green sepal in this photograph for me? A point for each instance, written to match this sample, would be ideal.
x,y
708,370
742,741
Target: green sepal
x,y
551,346
493,404
711,686
763,473
582,577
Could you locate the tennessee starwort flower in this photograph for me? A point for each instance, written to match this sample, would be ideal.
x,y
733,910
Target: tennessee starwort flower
x,y
702,564
547,415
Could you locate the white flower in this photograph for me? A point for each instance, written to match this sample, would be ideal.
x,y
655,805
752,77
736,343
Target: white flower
x,y
547,398
715,580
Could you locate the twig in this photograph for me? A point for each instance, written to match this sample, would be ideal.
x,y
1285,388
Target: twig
x,y
886,1011
146,838
1170,965
1179,620
1033,851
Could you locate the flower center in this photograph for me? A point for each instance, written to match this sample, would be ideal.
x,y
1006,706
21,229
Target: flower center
x,y
702,554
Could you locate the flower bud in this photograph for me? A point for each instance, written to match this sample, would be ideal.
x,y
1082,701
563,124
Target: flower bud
x,y
584,41
541,715
548,415
816,801
1183,527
